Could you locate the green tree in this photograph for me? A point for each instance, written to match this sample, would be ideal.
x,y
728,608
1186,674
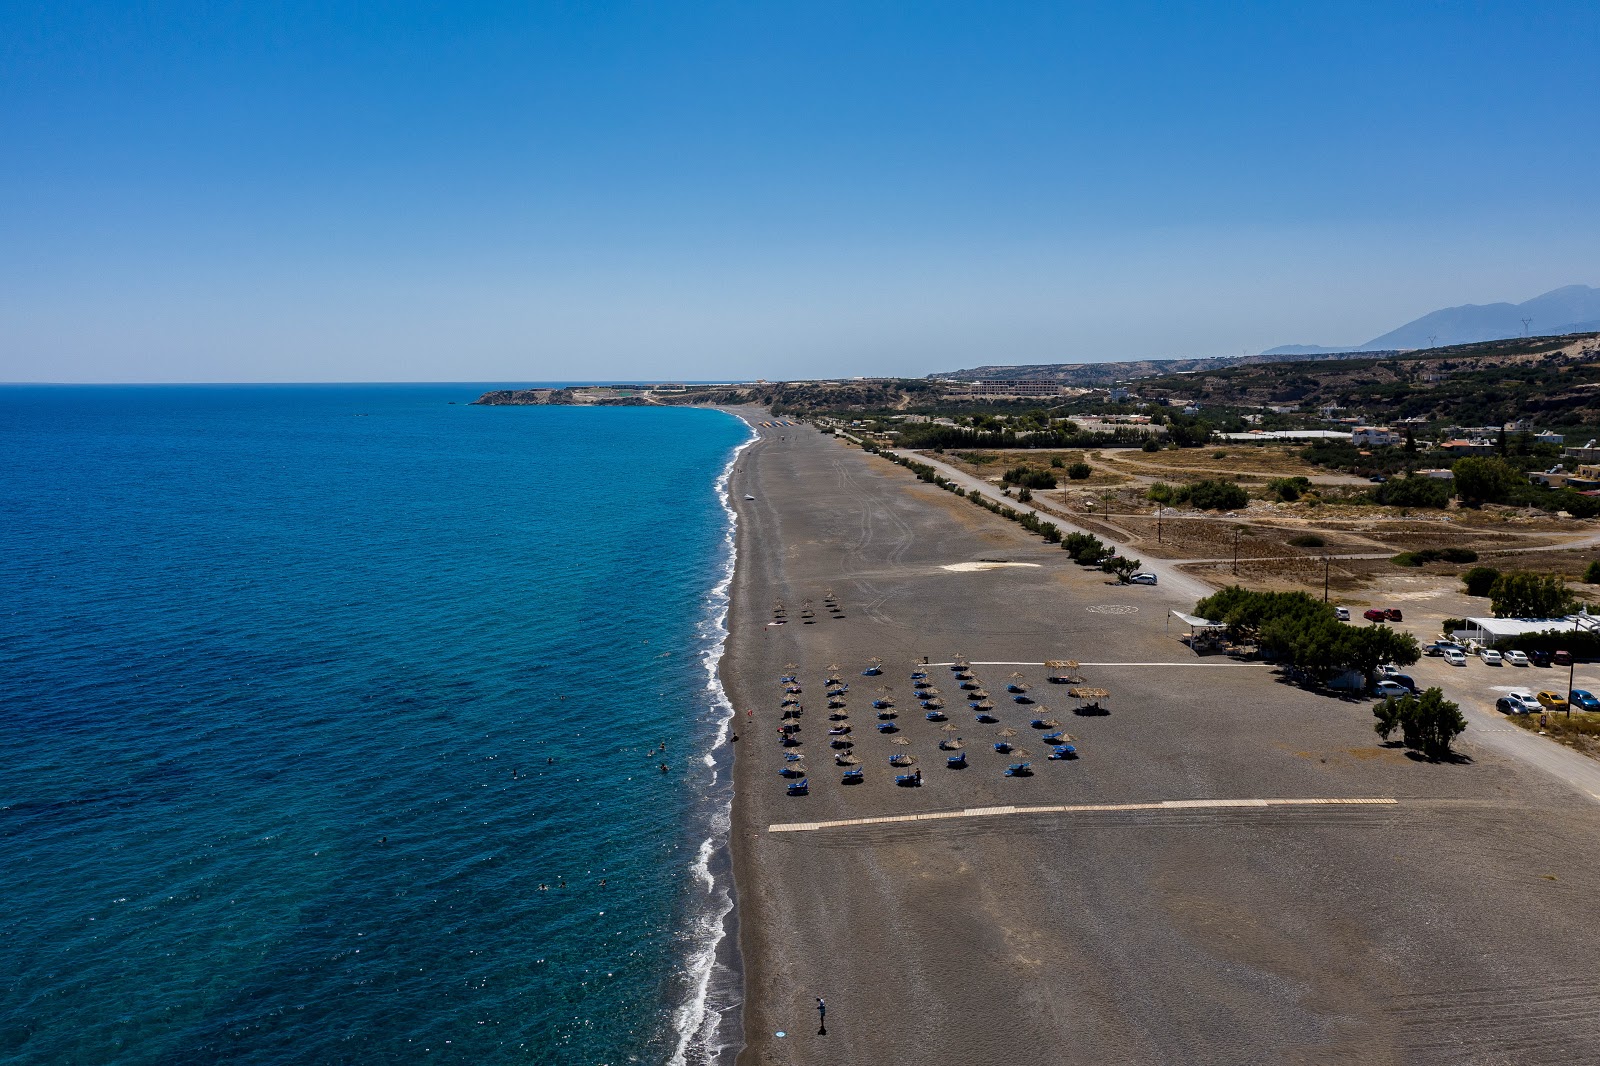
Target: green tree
x,y
1078,471
1428,723
1121,566
1530,596
1288,489
1479,580
1591,573
1413,491
1485,479
1217,495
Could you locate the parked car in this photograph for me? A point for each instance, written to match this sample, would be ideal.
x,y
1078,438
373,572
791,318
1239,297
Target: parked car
x,y
1583,700
1403,679
1439,647
1385,689
1540,657
1143,577
1455,657
1516,658
1381,614
1552,701
1490,657
1562,658
1342,613
1517,703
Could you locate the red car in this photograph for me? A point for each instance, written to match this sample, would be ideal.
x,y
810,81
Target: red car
x,y
1382,614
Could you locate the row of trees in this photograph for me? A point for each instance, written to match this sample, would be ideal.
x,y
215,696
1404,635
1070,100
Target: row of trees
x,y
1211,495
1304,633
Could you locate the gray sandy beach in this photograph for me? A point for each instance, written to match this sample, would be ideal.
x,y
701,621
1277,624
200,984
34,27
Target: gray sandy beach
x,y
1151,918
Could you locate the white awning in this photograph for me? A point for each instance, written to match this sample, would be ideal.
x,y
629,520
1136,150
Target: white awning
x,y
1194,621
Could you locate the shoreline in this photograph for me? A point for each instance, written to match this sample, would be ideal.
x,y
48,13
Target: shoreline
x,y
707,1023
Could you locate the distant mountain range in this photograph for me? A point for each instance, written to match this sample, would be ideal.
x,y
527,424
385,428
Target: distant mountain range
x,y
1570,309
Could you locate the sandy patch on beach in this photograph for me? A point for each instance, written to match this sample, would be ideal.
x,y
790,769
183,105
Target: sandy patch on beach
x,y
968,568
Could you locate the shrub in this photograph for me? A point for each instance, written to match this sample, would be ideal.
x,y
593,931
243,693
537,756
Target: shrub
x,y
1025,495
1219,455
1288,489
1217,495
1055,462
1161,492
1591,573
1150,445
1479,580
1308,540
1413,491
1078,471
1028,478
1432,555
1450,625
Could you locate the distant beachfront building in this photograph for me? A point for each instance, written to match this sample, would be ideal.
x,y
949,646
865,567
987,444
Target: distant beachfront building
x,y
1373,436
1462,446
1558,439
1016,388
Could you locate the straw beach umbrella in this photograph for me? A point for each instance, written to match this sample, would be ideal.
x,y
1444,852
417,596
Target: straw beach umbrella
x,y
900,740
846,759
1007,732
900,758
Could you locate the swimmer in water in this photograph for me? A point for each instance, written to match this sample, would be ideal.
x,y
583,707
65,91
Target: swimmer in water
x,y
663,767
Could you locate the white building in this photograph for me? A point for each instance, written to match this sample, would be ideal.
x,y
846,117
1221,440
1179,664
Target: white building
x,y
1373,436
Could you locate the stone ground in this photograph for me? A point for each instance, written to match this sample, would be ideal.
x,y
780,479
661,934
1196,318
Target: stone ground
x,y
1452,926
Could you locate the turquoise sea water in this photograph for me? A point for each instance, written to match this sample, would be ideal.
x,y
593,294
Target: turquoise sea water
x,y
304,691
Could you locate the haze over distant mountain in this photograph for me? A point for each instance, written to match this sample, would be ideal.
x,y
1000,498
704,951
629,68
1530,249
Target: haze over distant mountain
x,y
1570,309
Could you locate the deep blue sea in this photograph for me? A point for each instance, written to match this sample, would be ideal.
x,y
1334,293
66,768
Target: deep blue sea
x,y
305,692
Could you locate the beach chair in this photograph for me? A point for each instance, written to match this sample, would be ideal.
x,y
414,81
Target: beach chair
x,y
1022,697
1015,686
801,787
791,771
853,777
791,756
888,727
1064,751
986,718
912,780
840,742
1039,723
1003,747
1052,738
957,761
1019,769
936,716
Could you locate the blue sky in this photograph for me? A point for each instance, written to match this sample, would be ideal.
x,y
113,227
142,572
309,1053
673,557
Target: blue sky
x,y
337,191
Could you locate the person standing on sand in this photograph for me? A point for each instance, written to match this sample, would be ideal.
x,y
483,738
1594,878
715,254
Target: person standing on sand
x,y
822,1016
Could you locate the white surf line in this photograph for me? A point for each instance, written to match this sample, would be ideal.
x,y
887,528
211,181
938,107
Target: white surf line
x,y
1079,808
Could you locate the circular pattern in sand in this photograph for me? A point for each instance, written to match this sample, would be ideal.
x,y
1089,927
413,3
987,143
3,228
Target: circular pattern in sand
x,y
1112,608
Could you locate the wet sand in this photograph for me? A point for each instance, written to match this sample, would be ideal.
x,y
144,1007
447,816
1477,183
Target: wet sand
x,y
1454,925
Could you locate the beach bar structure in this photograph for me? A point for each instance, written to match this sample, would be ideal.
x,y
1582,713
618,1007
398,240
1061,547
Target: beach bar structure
x,y
1202,632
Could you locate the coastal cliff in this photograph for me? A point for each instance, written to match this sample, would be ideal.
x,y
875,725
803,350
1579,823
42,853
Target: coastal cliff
x,y
569,397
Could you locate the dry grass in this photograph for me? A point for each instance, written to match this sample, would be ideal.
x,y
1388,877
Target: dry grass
x,y
993,462
1579,731
1240,461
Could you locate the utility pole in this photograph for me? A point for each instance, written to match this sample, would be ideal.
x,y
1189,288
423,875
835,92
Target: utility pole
x,y
1159,509
1326,564
1235,551
1572,668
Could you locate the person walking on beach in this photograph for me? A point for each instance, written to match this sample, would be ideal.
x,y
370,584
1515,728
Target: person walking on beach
x,y
822,1016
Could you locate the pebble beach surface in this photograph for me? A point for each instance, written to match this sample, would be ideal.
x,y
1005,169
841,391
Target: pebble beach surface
x,y
1166,907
